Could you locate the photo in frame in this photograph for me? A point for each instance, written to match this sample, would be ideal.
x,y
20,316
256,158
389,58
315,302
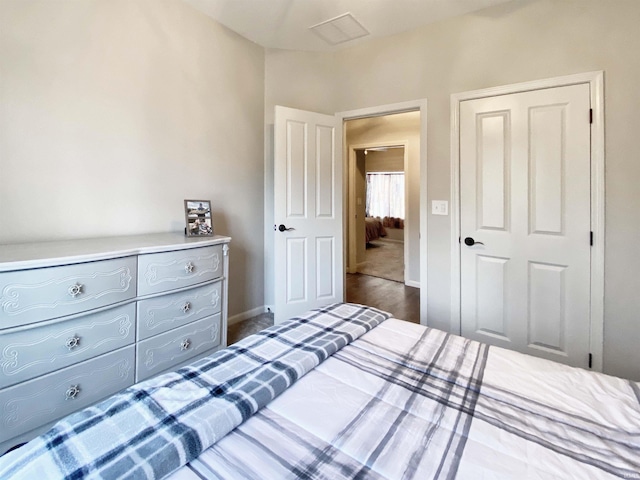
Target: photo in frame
x,y
198,218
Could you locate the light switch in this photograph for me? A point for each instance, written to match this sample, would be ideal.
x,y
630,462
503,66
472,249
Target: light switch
x,y
359,201
439,207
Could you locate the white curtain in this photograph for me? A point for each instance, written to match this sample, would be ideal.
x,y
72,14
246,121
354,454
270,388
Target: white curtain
x,y
385,195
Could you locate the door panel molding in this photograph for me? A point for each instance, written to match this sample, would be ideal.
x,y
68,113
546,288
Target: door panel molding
x,y
307,218
595,80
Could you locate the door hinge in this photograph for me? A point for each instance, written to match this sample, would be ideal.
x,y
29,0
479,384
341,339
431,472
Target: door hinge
x,y
458,239
591,238
590,360
591,115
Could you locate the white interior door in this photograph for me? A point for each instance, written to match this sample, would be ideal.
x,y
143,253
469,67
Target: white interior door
x,y
525,194
309,268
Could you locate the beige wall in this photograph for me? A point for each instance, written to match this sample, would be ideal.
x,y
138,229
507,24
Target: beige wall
x,y
393,130
112,112
386,160
109,104
519,41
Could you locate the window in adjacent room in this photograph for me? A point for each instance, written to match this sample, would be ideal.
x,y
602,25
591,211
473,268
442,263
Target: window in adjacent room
x,y
385,194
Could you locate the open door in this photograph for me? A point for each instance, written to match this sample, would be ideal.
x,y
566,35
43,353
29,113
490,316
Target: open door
x,y
307,212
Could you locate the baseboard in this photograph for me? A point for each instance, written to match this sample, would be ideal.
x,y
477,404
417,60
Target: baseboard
x,y
249,314
395,240
412,283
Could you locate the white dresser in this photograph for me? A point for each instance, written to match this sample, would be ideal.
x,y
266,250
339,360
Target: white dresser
x,y
83,319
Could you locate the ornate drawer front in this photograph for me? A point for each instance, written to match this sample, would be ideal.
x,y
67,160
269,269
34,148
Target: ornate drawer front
x,y
159,272
42,400
161,352
29,296
160,314
31,352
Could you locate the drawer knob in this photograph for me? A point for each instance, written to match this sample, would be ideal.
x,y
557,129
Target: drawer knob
x,y
75,290
186,307
185,344
72,342
189,267
72,392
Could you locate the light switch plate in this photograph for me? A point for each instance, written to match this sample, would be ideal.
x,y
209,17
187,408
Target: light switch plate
x,y
439,207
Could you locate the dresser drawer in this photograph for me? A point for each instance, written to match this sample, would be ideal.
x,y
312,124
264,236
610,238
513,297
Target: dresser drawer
x,y
36,402
159,272
159,353
29,296
160,314
30,352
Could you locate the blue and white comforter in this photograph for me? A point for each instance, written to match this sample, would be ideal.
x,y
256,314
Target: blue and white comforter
x,y
155,427
408,402
382,399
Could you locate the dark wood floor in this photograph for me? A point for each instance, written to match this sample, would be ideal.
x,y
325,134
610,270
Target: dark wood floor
x,y
396,298
401,301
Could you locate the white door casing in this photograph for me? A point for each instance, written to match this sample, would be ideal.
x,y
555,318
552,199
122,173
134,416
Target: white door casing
x,y
309,270
412,105
526,191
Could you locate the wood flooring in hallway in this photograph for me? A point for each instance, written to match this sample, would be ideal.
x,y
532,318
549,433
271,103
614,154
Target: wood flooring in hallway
x,y
396,298
401,301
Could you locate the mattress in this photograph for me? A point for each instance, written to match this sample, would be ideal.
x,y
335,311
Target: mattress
x,y
374,229
404,401
346,392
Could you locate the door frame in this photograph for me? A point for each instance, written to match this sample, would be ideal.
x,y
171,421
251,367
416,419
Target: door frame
x,y
596,85
352,264
377,111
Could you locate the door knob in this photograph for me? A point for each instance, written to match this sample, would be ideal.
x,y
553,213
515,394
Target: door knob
x,y
282,228
470,242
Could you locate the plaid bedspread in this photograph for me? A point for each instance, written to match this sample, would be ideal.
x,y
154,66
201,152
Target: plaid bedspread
x,y
404,401
155,427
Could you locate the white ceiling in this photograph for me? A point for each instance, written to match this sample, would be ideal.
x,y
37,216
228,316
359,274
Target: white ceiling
x,y
285,23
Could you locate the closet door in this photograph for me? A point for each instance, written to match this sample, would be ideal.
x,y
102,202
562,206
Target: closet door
x,y
525,222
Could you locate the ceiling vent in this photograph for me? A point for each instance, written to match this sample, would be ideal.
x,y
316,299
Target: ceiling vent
x,y
339,29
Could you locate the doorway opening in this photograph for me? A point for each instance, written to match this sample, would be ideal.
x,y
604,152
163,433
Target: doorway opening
x,y
377,230
382,212
311,209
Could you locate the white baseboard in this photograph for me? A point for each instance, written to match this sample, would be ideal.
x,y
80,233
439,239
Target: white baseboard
x,y
248,314
394,240
412,283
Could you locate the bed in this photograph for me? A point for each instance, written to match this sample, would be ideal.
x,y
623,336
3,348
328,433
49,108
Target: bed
x,y
347,392
393,222
374,229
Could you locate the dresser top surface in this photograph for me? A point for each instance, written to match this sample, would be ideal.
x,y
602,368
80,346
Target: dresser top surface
x,y
21,256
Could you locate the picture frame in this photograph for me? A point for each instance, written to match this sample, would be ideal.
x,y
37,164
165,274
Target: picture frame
x,y
197,214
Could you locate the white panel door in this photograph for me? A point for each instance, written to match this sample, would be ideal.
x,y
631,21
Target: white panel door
x,y
308,212
525,197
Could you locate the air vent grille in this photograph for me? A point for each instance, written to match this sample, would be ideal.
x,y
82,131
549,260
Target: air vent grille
x,y
340,29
